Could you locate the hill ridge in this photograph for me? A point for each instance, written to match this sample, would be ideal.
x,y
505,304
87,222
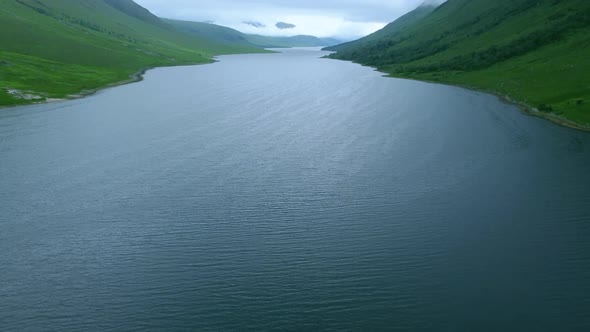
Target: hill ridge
x,y
131,8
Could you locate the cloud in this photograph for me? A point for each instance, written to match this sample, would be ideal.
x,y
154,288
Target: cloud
x,y
284,25
346,19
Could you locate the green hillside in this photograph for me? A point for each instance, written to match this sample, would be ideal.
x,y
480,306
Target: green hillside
x,y
227,35
536,52
56,48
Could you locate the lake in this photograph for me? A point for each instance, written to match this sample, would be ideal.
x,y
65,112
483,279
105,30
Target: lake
x,y
290,192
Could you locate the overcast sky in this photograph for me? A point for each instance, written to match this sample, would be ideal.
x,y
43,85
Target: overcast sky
x,y
345,19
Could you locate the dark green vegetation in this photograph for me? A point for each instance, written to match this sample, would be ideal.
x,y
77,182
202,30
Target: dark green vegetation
x,y
536,52
56,48
227,35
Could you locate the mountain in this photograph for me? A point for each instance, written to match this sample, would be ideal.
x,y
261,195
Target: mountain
x,y
294,41
395,27
536,52
210,31
55,48
134,10
228,35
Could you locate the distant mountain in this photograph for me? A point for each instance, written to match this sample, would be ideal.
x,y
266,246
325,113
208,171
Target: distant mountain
x,y
210,31
534,51
55,48
228,35
294,41
284,26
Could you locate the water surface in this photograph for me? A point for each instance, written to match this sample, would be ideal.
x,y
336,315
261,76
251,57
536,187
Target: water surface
x,y
289,192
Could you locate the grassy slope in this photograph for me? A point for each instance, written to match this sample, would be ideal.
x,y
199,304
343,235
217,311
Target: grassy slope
x,y
533,51
55,48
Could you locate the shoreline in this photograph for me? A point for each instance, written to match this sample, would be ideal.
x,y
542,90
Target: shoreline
x,y
533,111
133,78
525,108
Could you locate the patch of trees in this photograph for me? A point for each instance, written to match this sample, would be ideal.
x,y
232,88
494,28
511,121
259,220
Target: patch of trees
x,y
97,28
35,8
545,108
